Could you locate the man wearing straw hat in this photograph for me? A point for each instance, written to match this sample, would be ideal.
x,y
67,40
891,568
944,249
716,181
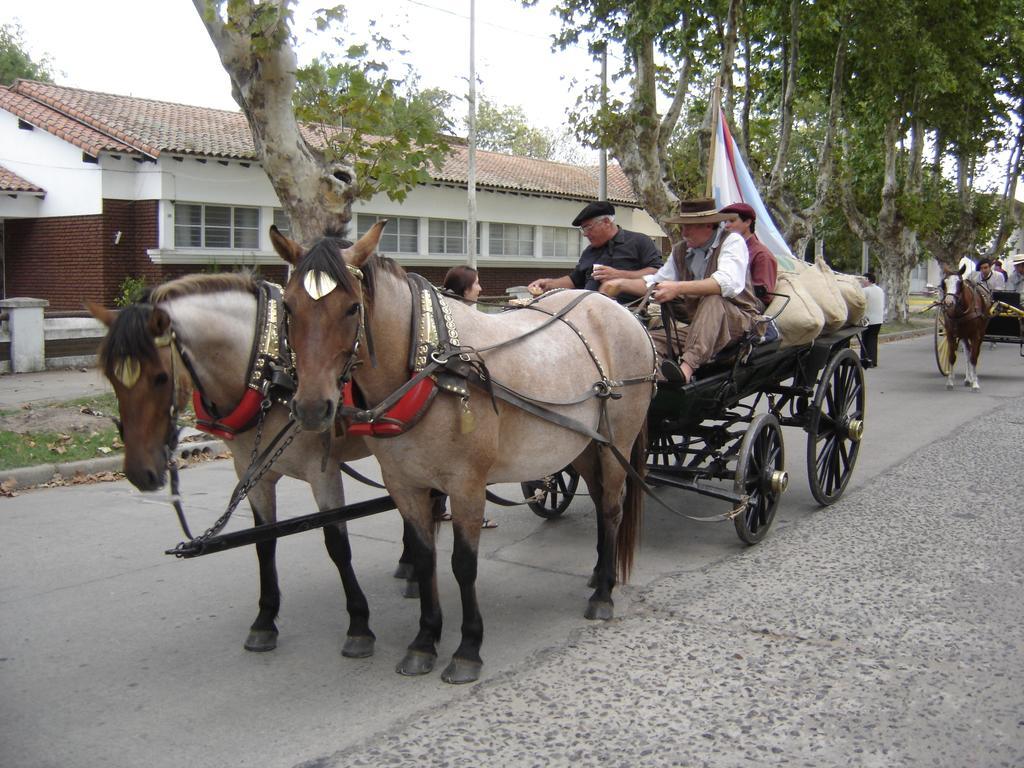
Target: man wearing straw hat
x,y
1016,280
708,277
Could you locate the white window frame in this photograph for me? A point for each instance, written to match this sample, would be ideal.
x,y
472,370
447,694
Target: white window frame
x,y
232,228
395,226
446,237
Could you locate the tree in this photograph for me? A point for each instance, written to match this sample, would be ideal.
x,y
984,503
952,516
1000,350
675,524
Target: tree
x,y
506,129
374,133
15,62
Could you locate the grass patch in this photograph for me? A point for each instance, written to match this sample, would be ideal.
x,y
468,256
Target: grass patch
x,y
17,450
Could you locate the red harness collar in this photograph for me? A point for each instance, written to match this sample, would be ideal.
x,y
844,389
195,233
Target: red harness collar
x,y
400,418
239,420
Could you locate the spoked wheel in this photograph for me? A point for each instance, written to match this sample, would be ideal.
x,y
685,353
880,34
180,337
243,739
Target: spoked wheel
x,y
941,344
761,476
835,427
557,491
668,451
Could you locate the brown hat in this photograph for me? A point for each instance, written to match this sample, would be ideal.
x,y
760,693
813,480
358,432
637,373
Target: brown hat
x,y
702,211
742,210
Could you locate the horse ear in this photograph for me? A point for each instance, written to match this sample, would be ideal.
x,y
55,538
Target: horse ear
x,y
101,313
159,322
286,248
365,246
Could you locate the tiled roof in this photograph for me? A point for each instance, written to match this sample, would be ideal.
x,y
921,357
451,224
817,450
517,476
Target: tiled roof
x,y
12,182
526,174
52,121
102,121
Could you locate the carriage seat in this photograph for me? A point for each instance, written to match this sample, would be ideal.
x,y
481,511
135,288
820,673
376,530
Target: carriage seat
x,y
748,349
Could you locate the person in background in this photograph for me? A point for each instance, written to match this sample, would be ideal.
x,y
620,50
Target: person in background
x,y
997,266
1016,280
763,267
613,253
463,281
875,316
988,277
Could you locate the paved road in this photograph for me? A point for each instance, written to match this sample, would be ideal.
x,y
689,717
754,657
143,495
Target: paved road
x,y
883,631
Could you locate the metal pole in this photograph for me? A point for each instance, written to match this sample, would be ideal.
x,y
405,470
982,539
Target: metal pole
x,y
602,167
471,181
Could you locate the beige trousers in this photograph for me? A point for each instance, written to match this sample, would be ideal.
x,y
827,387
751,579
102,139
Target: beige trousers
x,y
716,323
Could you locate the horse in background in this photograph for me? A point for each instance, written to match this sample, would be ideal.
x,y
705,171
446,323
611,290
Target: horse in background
x,y
213,318
576,355
965,309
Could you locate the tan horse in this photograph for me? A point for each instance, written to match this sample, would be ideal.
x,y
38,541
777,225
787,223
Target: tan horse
x,y
213,318
363,328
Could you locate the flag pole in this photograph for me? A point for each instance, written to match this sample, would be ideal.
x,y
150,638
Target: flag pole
x,y
709,189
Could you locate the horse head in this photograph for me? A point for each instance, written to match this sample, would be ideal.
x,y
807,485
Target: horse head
x,y
952,293
325,304
137,357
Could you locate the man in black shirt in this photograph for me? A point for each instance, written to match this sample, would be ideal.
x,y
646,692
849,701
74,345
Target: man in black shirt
x,y
613,253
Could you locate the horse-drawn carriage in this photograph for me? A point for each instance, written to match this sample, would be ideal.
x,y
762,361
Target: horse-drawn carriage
x,y
353,319
966,313
726,426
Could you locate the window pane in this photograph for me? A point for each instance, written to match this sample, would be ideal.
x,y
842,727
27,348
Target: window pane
x,y
282,222
217,229
188,225
247,228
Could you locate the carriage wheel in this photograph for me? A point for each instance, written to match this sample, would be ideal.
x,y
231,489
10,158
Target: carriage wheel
x,y
835,427
557,492
941,344
668,451
761,476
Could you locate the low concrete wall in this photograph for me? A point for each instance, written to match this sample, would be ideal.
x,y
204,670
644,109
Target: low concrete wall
x,y
68,342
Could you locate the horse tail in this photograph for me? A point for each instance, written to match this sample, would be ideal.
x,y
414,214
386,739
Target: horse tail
x,y
631,526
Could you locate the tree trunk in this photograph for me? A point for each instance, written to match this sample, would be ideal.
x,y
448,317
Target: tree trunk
x,y
254,49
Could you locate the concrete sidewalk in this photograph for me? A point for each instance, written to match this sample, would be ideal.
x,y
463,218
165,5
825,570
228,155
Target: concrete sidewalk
x,y
57,386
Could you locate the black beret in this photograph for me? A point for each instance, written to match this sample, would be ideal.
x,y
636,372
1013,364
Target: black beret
x,y
592,211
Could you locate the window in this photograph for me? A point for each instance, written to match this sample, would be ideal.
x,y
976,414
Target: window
x,y
216,226
510,240
400,235
561,243
282,222
445,236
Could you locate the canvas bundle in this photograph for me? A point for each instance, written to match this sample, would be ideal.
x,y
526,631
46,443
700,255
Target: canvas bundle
x,y
853,295
801,319
819,281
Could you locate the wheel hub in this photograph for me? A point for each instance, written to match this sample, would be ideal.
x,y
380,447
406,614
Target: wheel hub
x,y
855,429
779,481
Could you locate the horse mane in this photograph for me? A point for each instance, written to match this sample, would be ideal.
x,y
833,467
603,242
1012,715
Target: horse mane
x,y
325,256
244,281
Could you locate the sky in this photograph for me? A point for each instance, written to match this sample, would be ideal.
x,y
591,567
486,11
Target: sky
x,y
159,49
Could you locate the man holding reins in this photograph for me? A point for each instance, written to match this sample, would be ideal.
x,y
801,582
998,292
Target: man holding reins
x,y
708,277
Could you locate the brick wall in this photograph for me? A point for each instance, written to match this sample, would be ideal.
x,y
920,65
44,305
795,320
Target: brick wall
x,y
70,259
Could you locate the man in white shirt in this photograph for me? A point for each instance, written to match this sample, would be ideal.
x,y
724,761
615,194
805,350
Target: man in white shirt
x,y
988,277
708,279
1016,281
875,316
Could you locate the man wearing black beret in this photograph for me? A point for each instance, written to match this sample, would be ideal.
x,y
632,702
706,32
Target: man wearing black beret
x,y
613,252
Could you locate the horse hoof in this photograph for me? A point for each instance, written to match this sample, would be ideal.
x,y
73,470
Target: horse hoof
x,y
460,671
404,571
416,663
358,646
412,589
261,640
949,386
599,611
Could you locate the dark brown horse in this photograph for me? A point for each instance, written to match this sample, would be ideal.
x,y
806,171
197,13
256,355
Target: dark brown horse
x,y
213,318
965,315
574,354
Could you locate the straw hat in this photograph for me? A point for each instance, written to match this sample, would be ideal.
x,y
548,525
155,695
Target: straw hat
x,y
702,211
1017,258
